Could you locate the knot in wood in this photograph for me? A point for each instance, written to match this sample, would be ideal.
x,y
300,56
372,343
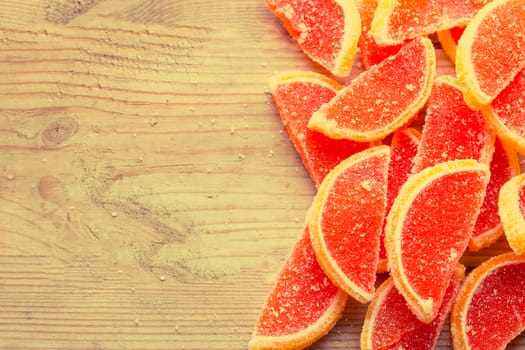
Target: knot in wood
x,y
59,131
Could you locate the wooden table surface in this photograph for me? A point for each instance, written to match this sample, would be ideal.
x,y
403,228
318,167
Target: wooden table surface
x,y
148,192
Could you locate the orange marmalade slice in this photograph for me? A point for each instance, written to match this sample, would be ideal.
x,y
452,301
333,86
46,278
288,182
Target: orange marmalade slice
x,y
506,114
503,166
326,30
489,310
398,20
428,229
345,221
403,149
512,212
452,130
390,324
381,99
491,51
303,305
448,39
371,53
297,95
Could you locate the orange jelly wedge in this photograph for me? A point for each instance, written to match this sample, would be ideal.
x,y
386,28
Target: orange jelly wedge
x,y
503,166
491,51
403,149
398,20
381,99
489,310
345,221
390,324
326,30
452,130
303,305
428,230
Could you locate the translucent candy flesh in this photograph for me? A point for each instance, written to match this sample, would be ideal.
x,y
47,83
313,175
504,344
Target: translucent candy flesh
x,y
456,33
507,112
371,53
297,96
301,297
503,166
394,325
452,130
402,152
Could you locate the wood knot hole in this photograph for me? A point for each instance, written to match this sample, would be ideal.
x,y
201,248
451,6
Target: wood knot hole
x,y
59,131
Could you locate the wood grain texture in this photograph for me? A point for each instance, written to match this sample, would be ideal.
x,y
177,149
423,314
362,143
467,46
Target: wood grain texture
x,y
148,192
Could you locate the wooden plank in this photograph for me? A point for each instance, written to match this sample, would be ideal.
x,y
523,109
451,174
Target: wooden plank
x,y
148,192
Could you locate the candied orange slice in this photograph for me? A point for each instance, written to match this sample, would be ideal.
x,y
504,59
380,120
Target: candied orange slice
x,y
381,99
398,20
448,39
345,221
452,130
303,305
489,310
503,166
429,227
403,149
485,65
506,114
390,324
511,205
326,30
297,96
371,53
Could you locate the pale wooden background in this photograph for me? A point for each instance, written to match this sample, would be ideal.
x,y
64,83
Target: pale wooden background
x,y
148,193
